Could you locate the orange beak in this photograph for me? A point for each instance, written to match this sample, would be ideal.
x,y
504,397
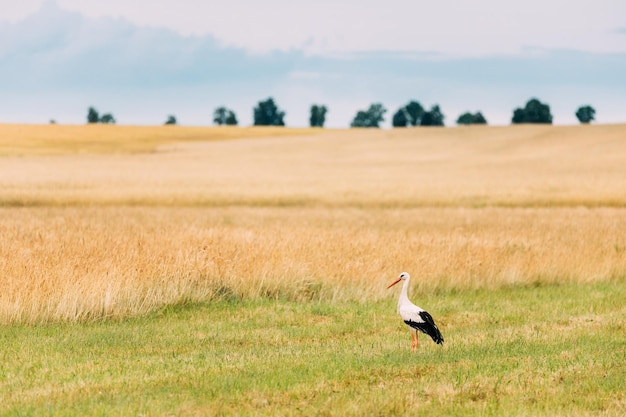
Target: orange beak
x,y
394,283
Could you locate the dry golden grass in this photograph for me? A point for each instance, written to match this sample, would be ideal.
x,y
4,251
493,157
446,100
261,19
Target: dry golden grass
x,y
327,216
518,166
20,140
80,263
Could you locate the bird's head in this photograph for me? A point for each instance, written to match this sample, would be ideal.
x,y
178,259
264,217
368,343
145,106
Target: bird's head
x,y
402,277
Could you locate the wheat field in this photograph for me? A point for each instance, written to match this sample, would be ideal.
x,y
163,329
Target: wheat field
x,y
110,221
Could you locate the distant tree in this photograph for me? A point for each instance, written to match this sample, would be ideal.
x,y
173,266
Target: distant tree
x,y
586,114
372,117
468,118
171,120
92,115
534,112
267,113
519,116
231,118
434,117
224,116
219,116
408,115
479,119
400,118
537,112
318,115
361,120
415,112
107,119
53,122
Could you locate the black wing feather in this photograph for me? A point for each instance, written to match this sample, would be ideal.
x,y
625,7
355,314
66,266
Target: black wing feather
x,y
428,326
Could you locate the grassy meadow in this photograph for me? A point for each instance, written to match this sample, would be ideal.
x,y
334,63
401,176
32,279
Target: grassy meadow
x,y
222,271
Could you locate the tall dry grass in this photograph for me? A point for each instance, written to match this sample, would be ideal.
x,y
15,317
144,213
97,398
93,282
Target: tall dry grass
x,y
333,216
83,263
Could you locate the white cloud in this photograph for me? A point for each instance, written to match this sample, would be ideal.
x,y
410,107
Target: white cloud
x,y
456,28
16,10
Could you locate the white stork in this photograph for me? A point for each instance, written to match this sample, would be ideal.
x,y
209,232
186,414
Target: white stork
x,y
415,317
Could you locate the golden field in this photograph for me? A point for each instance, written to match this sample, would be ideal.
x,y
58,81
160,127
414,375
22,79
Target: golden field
x,y
113,221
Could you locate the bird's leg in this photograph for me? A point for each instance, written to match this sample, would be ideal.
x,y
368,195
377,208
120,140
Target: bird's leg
x,y
417,339
412,341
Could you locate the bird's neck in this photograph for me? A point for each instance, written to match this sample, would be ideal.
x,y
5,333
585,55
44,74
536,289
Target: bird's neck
x,y
404,297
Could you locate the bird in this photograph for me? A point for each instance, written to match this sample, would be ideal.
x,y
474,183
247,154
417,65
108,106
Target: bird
x,y
415,317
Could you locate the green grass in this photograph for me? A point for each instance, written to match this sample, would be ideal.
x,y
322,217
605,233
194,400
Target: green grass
x,y
532,350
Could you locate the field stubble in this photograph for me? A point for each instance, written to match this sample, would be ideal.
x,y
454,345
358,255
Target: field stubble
x,y
97,232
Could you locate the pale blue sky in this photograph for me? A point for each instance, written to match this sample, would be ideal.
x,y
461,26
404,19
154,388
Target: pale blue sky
x,y
142,60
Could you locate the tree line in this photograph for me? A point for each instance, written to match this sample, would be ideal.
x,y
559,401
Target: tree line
x,y
267,113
